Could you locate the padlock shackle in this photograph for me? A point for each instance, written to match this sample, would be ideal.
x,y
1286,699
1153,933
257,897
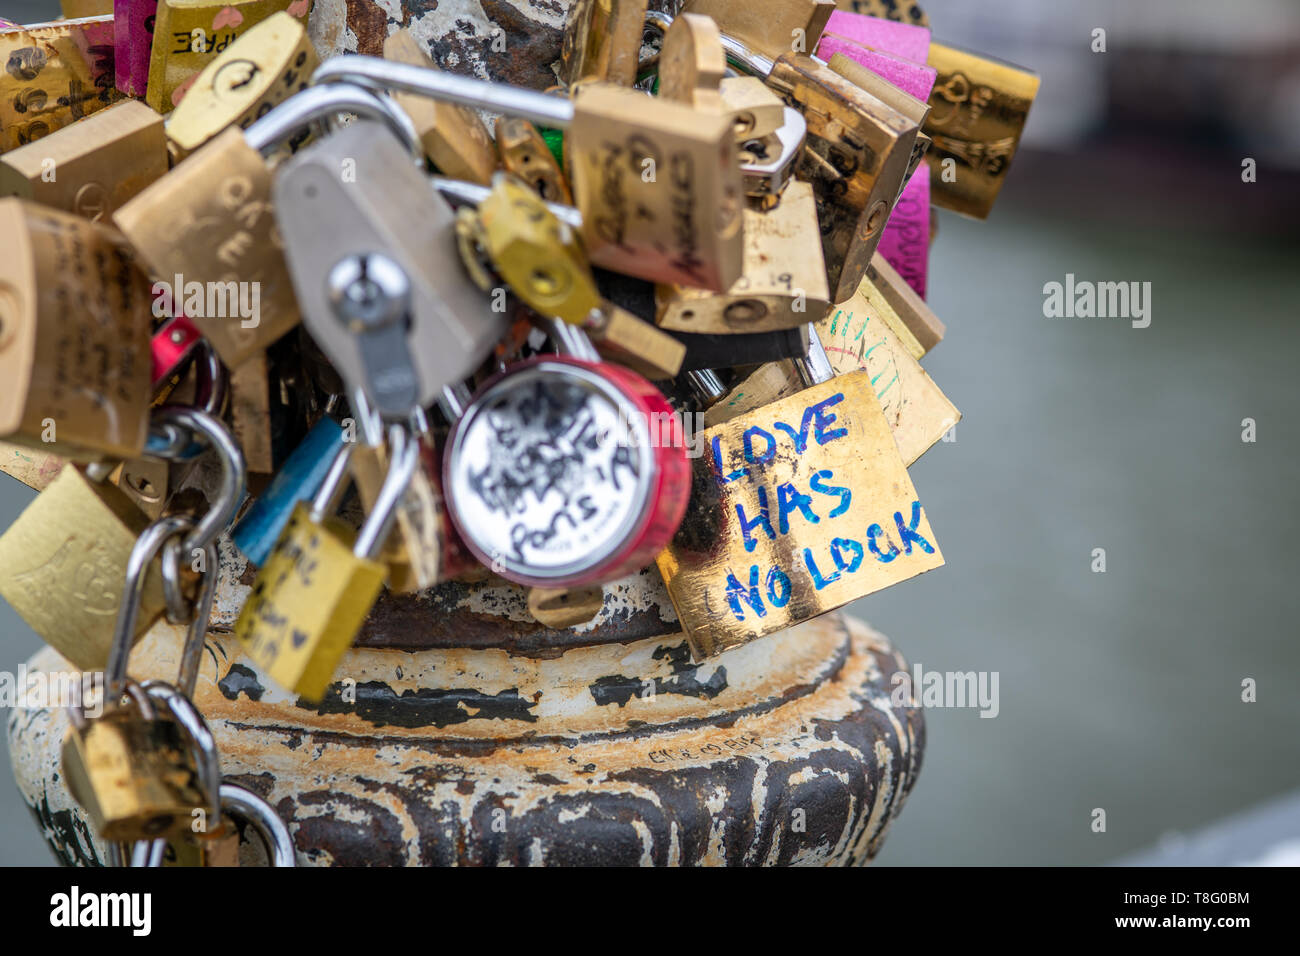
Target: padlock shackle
x,y
752,62
248,806
234,473
569,339
816,367
467,193
190,720
331,490
379,74
404,456
318,103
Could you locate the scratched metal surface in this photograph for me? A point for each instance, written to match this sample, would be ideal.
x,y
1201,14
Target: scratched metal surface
x,y
786,752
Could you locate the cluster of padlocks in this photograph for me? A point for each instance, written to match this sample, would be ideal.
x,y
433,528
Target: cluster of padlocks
x,y
669,311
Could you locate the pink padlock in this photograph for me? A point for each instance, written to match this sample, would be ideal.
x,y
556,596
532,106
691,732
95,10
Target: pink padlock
x,y
132,42
905,243
901,39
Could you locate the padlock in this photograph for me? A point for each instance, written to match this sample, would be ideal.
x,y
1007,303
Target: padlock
x,y
800,507
133,23
906,88
299,479
856,153
770,27
266,65
92,167
907,40
977,112
377,271
315,590
55,73
63,561
415,548
128,772
250,413
565,471
692,63
190,34
74,335
755,110
525,154
767,164
784,282
171,348
145,481
602,41
918,321
540,258
455,138
656,182
207,228
33,468
565,607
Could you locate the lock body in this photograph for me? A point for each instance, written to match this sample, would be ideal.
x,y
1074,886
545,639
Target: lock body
x,y
784,280
208,228
525,154
977,112
755,110
267,64
658,186
554,478
801,506
856,154
310,599
92,167
62,564
133,23
74,335
417,545
692,63
55,73
188,35
602,41
454,137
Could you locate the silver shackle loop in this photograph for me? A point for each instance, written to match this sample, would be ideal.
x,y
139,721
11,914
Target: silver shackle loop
x,y
245,805
384,75
315,104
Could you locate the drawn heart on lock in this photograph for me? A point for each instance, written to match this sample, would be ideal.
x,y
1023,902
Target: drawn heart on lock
x,y
299,638
180,91
298,8
227,17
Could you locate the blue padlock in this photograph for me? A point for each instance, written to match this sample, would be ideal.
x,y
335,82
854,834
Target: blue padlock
x,y
301,477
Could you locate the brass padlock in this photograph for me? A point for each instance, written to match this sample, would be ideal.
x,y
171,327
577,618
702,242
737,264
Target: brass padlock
x,y
55,73
755,110
889,292
314,592
692,63
93,166
525,154
602,41
129,771
63,561
190,34
455,138
799,507
769,27
856,155
74,335
784,280
915,110
209,224
267,64
977,112
656,182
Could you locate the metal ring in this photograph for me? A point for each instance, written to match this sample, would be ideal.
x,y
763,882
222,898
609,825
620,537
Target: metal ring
x,y
178,606
319,102
192,650
233,472
243,803
188,717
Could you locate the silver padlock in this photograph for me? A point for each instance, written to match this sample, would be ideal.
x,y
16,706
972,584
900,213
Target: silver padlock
x,y
372,253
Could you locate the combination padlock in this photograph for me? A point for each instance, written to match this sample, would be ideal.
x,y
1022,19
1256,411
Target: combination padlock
x,y
377,269
801,506
565,471
209,223
656,182
316,589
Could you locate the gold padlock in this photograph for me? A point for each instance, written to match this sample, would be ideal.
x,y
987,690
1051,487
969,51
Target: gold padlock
x,y
525,154
129,772
454,137
755,110
900,100
55,73
692,63
784,280
889,292
35,469
62,564
769,27
250,413
856,154
620,336
315,591
978,110
190,34
267,64
93,166
799,507
74,335
602,41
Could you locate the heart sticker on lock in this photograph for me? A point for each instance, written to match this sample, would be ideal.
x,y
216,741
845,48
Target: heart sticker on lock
x,y
227,17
